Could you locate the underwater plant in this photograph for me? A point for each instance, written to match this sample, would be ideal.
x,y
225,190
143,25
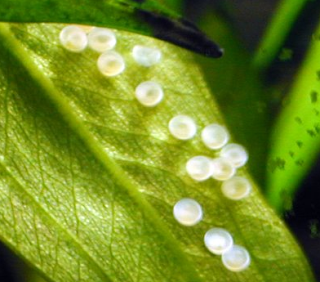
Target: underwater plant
x,y
133,147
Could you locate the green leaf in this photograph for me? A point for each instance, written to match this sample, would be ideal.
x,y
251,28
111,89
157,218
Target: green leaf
x,y
295,138
89,177
146,17
277,31
175,5
30,275
113,13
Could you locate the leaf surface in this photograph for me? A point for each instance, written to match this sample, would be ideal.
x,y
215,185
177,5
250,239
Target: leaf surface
x,y
89,177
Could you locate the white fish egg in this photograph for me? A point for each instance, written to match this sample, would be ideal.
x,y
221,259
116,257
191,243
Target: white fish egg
x,y
199,168
236,188
215,136
218,240
182,127
85,28
149,93
101,39
73,38
187,212
236,259
222,169
111,63
146,56
235,154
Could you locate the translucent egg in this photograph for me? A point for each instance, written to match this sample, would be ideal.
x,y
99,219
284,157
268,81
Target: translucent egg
x,y
235,154
111,63
146,56
215,136
182,127
236,188
236,259
73,38
187,212
85,28
218,241
222,169
199,168
101,39
149,93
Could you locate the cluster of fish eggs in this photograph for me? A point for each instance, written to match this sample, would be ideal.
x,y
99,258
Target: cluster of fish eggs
x,y
223,167
110,63
229,157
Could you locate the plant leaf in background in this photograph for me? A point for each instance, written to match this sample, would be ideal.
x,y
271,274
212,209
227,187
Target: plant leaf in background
x,y
173,5
149,18
89,177
277,31
296,134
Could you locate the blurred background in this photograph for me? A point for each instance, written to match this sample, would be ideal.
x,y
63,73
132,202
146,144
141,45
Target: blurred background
x,y
248,20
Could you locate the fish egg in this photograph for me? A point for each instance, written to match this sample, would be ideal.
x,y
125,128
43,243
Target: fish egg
x,y
73,38
149,93
187,212
222,169
146,56
215,136
199,168
236,259
101,39
235,154
111,63
182,127
236,188
85,28
218,240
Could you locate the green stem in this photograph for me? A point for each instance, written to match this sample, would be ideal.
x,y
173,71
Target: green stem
x,y
277,31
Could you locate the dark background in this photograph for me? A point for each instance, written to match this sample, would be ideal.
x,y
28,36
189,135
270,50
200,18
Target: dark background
x,y
249,18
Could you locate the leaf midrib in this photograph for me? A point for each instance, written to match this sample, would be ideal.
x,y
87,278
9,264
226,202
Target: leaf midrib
x,y
14,47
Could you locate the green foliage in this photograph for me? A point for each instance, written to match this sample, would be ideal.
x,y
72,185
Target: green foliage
x,y
146,17
295,142
88,177
113,13
277,31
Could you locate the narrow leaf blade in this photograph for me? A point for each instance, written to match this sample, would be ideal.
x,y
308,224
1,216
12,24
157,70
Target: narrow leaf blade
x,y
279,27
295,142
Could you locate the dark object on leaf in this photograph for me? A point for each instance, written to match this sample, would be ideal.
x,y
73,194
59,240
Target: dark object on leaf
x,y
180,32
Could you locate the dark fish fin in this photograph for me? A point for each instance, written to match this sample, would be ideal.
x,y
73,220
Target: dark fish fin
x,y
180,32
189,24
